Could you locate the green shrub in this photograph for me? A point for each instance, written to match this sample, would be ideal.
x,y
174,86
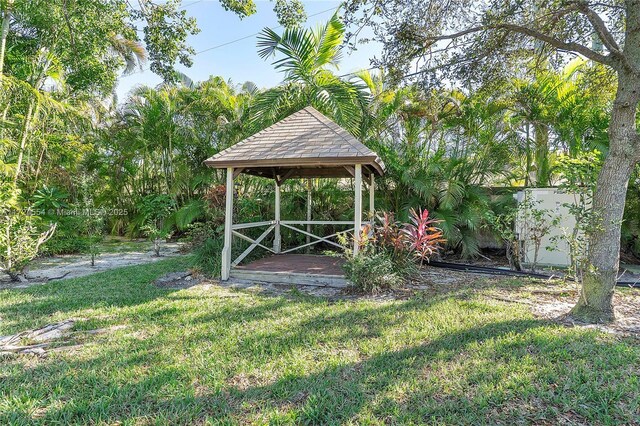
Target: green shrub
x,y
48,199
20,239
68,238
388,251
205,240
154,209
197,233
66,244
373,272
207,255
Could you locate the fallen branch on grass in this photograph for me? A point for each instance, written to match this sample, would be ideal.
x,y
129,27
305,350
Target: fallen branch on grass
x,y
26,279
504,299
43,335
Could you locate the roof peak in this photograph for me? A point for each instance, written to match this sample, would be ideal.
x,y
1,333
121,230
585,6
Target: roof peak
x,y
304,139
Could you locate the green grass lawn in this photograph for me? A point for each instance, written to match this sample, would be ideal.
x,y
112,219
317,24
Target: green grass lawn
x,y
213,355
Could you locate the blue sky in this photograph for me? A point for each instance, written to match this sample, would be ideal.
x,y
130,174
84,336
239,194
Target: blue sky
x,y
239,60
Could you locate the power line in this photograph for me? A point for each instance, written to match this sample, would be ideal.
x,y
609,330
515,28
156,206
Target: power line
x,y
357,72
227,43
241,38
191,4
254,34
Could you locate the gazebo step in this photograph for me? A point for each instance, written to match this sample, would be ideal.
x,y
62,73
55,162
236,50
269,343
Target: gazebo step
x,y
338,281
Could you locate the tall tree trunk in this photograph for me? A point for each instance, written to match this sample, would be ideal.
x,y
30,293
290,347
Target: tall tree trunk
x,y
4,32
595,303
543,169
527,178
39,167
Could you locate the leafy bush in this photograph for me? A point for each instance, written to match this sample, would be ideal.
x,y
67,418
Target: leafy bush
x,y
208,254
81,232
387,254
372,272
66,243
579,177
205,240
69,237
49,198
196,234
154,210
502,225
20,240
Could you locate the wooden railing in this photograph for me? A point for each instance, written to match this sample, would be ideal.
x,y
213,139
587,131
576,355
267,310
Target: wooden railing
x,y
293,225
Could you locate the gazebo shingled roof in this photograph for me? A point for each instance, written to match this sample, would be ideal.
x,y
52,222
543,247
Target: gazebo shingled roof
x,y
304,144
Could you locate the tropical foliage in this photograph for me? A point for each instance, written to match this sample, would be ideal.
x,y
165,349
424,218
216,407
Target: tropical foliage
x,y
458,152
308,59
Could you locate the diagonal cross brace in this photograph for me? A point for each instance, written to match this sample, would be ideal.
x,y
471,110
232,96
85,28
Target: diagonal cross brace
x,y
318,239
254,243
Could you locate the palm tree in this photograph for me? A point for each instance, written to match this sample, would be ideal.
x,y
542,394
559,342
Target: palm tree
x,y
308,61
440,149
543,107
156,141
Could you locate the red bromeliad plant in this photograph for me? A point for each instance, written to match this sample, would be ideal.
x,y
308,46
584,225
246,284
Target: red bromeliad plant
x,y
389,234
422,236
388,251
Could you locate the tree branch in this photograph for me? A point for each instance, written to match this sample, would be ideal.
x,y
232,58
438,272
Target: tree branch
x,y
557,43
560,44
459,34
600,27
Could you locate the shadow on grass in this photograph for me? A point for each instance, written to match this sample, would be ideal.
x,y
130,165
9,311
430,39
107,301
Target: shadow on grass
x,y
339,393
462,287
515,371
431,359
121,287
523,375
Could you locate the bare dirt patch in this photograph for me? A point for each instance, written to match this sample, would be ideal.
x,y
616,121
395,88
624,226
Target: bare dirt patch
x,y
554,300
548,299
63,267
178,280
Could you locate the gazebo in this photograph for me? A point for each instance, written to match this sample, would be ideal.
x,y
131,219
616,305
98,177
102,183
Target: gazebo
x,y
305,144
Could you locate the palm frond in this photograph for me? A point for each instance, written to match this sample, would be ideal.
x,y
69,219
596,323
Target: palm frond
x,y
131,51
328,40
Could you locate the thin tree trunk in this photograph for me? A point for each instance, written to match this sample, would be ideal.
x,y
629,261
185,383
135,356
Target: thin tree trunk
x,y
23,140
543,170
527,177
6,20
595,303
4,120
4,32
39,167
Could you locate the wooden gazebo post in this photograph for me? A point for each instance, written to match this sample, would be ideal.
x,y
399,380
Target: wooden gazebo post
x,y
228,227
309,187
372,200
277,237
357,220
